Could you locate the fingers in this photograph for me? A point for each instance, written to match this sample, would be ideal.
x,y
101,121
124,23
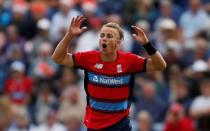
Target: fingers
x,y
72,21
77,21
135,36
139,34
137,29
78,18
84,28
81,20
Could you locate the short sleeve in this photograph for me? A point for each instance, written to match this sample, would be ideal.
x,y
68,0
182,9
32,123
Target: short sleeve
x,y
138,63
81,59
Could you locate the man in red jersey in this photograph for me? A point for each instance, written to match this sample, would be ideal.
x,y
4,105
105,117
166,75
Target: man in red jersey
x,y
109,73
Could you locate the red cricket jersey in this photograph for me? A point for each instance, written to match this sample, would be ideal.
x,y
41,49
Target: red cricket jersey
x,y
108,85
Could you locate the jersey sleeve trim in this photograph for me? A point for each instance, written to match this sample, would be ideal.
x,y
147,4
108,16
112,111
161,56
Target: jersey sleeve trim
x,y
145,65
74,60
73,57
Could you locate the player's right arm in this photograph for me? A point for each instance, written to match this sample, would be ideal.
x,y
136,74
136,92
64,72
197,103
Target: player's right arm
x,y
61,54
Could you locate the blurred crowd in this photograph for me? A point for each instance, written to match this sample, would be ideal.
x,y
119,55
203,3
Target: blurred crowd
x,y
38,95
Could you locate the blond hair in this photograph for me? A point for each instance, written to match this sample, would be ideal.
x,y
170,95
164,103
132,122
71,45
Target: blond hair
x,y
117,27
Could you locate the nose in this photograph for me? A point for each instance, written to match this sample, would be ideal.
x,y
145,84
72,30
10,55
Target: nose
x,y
104,39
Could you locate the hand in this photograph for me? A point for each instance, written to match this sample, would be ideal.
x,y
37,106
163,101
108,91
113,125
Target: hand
x,y
75,27
139,35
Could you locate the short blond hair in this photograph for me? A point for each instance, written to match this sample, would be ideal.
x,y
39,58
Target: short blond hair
x,y
117,27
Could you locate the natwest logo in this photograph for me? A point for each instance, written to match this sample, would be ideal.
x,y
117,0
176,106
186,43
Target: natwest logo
x,y
110,81
95,79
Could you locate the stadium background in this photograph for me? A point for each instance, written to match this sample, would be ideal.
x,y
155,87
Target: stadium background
x,y
37,94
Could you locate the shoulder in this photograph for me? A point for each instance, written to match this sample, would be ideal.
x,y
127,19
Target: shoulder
x,y
57,16
185,15
128,55
123,53
86,56
198,100
89,53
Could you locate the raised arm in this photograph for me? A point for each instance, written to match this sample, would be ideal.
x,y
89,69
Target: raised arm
x,y
61,54
155,61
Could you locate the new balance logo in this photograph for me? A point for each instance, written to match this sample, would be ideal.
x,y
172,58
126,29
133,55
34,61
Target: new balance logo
x,y
98,66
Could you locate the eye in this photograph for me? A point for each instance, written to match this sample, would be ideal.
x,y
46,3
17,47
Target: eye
x,y
109,36
102,35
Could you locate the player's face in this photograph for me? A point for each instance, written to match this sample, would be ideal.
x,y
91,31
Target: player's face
x,y
109,40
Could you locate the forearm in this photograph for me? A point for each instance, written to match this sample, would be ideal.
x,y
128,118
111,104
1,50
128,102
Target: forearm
x,y
61,49
157,61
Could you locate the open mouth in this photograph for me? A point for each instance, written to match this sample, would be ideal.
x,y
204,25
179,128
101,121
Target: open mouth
x,y
104,45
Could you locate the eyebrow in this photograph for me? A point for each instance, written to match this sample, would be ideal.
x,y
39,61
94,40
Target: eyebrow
x,y
106,34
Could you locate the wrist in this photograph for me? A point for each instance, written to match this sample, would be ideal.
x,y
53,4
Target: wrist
x,y
149,48
146,42
69,35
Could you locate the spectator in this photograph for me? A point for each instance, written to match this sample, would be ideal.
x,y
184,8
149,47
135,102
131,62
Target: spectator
x,y
5,15
51,123
151,102
73,122
43,67
14,39
112,7
21,121
177,121
42,36
23,19
5,112
201,52
195,74
144,121
192,21
181,94
67,77
19,86
61,20
3,61
169,10
71,101
201,105
45,101
38,10
168,32
145,10
91,8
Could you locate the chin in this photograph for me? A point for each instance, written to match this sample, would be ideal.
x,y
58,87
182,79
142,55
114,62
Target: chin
x,y
104,51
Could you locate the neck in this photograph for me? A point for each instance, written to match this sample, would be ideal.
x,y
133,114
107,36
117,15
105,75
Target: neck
x,y
109,57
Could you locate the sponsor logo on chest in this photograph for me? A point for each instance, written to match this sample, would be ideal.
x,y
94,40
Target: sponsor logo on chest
x,y
107,80
119,68
98,66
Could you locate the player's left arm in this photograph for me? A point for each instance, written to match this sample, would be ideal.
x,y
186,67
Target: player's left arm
x,y
155,62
